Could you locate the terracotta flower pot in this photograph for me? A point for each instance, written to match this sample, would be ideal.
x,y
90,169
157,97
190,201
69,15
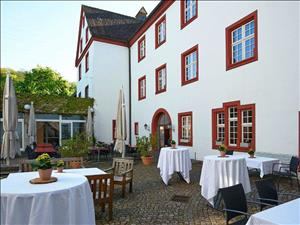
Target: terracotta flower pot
x,y
173,145
222,154
251,156
60,169
75,165
45,174
147,160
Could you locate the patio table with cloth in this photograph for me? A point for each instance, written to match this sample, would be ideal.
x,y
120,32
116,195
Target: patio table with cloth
x,y
67,201
264,164
174,160
287,213
85,171
218,172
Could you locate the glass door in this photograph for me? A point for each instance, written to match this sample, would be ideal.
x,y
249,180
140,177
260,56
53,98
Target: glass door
x,y
66,131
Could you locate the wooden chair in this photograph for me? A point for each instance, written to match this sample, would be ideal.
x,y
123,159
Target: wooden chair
x,y
102,187
122,169
25,165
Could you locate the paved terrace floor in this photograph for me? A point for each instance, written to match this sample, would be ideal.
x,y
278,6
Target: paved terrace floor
x,y
150,202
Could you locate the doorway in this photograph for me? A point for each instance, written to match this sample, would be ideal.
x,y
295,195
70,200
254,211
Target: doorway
x,y
162,127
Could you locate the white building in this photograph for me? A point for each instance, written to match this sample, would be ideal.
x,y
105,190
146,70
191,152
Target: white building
x,y
198,72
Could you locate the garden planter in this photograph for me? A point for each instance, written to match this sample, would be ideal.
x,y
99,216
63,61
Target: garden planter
x,y
147,160
222,154
75,165
45,174
60,169
173,146
251,156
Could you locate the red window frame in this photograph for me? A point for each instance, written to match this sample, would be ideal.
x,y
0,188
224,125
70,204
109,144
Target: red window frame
x,y
136,128
140,58
113,129
184,23
164,66
180,115
224,110
86,35
139,88
79,72
228,32
163,19
80,45
87,62
183,74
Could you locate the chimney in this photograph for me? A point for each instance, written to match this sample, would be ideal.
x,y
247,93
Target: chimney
x,y
142,14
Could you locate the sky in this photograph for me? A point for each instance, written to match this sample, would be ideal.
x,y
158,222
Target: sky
x,y
45,32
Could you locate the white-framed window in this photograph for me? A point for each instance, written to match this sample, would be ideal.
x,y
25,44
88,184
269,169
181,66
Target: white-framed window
x,y
162,79
142,88
190,9
142,48
191,66
233,126
221,127
161,32
186,125
243,42
247,126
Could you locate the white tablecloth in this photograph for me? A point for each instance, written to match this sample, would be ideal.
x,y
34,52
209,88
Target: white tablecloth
x,y
85,171
264,164
67,201
222,172
174,160
284,214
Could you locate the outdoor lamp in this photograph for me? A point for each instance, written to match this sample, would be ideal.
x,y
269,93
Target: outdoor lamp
x,y
27,106
146,126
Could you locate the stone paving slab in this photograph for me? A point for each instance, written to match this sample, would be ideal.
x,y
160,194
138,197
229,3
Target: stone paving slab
x,y
150,202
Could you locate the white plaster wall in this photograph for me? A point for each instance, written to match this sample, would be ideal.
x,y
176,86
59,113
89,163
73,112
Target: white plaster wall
x,y
272,82
109,73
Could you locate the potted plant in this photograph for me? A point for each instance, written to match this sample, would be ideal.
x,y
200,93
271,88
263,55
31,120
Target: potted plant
x,y
143,146
77,146
251,153
44,166
60,166
222,149
173,144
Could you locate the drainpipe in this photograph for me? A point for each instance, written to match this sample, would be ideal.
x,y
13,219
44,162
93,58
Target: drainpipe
x,y
129,71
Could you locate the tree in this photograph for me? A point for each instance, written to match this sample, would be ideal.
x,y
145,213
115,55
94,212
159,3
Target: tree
x,y
17,76
41,81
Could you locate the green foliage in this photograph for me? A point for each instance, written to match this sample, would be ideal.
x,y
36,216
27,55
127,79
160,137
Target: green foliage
x,y
251,151
77,146
42,162
173,142
222,148
143,145
60,163
39,81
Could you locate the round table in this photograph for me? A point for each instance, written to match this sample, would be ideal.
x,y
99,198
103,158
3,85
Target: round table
x,y
219,172
67,201
174,160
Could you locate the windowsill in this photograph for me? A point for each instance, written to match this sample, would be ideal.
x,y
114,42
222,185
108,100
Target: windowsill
x,y
186,144
142,98
157,45
189,81
241,63
183,25
140,59
160,91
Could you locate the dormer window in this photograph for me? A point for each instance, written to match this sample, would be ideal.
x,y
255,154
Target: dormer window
x,y
160,32
141,48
